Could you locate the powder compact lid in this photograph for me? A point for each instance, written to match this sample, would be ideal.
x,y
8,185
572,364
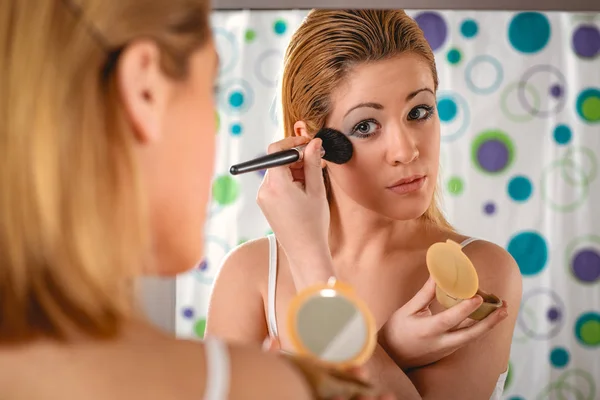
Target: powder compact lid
x,y
452,270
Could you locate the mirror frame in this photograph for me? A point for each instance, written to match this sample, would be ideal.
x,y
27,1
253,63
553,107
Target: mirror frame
x,y
346,291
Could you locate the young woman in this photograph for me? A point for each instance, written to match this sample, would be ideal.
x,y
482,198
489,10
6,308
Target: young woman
x,y
107,148
371,75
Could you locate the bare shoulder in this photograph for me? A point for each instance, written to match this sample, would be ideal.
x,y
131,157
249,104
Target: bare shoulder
x,y
497,269
248,260
253,372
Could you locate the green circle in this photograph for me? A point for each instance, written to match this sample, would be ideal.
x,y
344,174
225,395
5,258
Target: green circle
x,y
584,376
250,35
269,232
588,105
200,327
591,109
454,56
242,241
526,117
544,188
587,329
455,185
218,121
570,160
225,190
493,134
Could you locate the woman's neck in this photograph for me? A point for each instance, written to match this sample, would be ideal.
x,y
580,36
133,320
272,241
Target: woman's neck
x,y
358,233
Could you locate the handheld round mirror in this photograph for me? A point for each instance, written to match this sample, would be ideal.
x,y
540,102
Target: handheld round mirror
x,y
332,324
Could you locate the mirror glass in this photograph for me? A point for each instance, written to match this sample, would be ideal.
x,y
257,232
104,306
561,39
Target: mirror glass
x,y
331,327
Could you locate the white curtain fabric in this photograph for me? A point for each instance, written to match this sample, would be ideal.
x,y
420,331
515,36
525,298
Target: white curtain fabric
x,y
519,102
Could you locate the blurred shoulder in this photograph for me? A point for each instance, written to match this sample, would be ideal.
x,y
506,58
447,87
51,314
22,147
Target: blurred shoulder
x,y
248,259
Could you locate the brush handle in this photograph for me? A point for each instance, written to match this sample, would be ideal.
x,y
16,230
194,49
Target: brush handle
x,y
269,161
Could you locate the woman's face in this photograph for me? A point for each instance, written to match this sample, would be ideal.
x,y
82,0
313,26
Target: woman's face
x,y
175,126
387,108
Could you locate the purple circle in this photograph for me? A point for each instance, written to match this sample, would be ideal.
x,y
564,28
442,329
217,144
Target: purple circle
x,y
556,90
586,265
489,208
522,94
434,28
586,41
553,314
493,155
203,266
188,312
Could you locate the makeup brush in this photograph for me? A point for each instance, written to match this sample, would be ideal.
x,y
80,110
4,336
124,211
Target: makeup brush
x,y
337,148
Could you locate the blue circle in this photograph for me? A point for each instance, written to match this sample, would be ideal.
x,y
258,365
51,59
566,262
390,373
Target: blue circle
x,y
463,107
226,64
236,99
559,357
530,251
529,32
484,58
447,109
562,134
236,129
520,188
469,28
453,56
188,312
280,27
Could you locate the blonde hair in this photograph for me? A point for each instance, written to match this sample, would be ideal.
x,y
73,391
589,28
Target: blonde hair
x,y
324,49
72,220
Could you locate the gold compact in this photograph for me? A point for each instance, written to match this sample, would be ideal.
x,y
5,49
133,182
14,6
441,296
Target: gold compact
x,y
330,324
456,278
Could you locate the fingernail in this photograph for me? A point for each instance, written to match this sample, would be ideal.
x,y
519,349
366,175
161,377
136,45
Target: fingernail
x,y
503,314
322,152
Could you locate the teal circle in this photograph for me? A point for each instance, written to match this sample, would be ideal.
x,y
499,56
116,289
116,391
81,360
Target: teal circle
x,y
516,398
520,188
588,105
530,251
454,56
559,357
484,58
529,32
469,28
236,129
447,109
236,99
562,134
280,27
587,329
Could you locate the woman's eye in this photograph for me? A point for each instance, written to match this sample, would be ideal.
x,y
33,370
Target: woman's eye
x,y
364,128
420,112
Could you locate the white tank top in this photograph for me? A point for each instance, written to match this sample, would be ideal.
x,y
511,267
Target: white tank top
x,y
272,320
217,370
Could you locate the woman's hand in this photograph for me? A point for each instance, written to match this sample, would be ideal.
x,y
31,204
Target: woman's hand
x,y
330,384
414,337
294,202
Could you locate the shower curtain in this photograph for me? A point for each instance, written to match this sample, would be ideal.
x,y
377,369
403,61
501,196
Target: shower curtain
x,y
519,104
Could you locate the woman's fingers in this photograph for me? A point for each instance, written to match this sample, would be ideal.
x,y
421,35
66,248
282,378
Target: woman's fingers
x,y
460,337
453,316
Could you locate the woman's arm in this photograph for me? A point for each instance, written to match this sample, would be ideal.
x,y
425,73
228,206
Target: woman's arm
x,y
473,370
236,308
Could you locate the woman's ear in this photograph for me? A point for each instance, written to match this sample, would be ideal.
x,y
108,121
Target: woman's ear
x,y
144,89
300,129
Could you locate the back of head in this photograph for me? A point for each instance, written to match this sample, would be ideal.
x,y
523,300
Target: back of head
x,y
74,229
325,48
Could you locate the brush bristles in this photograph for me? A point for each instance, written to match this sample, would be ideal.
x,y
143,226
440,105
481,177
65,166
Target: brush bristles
x,y
337,146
